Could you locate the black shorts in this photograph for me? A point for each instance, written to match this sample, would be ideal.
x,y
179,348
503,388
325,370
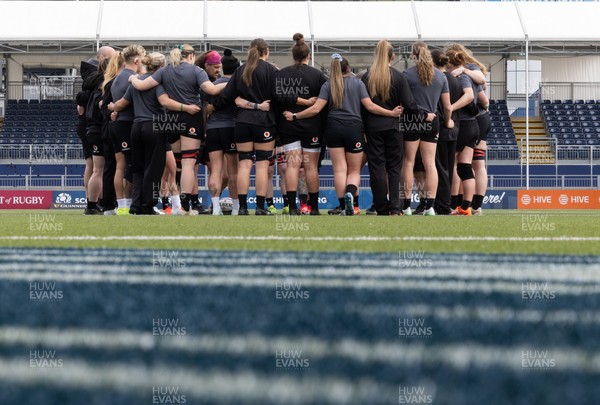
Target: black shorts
x,y
220,139
422,130
120,132
190,126
468,135
349,136
484,123
93,139
253,133
202,157
307,141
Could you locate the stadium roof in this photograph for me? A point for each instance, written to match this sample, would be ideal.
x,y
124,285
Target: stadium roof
x,y
73,24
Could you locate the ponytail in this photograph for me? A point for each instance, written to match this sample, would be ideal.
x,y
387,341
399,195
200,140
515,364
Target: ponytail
x,y
258,48
380,80
179,53
116,63
339,66
424,63
467,56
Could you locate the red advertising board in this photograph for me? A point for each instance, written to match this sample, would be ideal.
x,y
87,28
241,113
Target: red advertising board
x,y
558,199
25,199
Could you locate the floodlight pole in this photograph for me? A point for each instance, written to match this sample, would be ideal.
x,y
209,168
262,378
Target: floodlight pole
x,y
527,111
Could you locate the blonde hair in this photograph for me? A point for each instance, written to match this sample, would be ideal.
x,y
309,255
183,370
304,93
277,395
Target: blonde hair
x,y
424,63
467,56
181,52
115,65
258,47
153,61
380,80
132,52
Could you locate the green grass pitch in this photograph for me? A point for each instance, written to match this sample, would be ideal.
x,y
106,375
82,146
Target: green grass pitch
x,y
498,231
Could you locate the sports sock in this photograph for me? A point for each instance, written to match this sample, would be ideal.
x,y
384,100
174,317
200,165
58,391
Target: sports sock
x,y
215,204
313,199
291,197
260,202
477,201
243,201
176,201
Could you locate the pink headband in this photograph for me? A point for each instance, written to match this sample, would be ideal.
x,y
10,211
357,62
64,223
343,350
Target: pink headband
x,y
212,58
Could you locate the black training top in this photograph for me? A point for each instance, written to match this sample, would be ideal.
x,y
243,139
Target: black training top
x,y
456,93
295,81
400,94
262,89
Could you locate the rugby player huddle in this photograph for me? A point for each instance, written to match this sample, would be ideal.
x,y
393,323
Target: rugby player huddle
x,y
148,121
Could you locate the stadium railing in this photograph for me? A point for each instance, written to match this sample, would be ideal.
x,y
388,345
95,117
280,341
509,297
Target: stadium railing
x,y
45,88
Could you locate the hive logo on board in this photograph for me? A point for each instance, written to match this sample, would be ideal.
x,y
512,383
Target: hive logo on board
x,y
525,199
563,199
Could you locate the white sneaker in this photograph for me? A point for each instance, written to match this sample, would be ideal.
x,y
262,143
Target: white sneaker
x,y
217,212
429,212
407,212
478,211
159,212
111,212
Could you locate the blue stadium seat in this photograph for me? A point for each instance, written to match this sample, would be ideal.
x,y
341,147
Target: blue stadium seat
x,y
569,107
593,141
579,102
574,124
546,102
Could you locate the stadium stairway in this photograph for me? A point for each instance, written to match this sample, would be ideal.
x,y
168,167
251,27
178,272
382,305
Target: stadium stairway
x,y
540,148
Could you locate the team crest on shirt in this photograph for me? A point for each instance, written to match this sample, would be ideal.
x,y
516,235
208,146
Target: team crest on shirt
x,y
267,134
315,139
358,145
124,145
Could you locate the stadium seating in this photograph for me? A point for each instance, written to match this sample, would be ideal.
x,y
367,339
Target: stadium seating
x,y
501,131
30,122
572,122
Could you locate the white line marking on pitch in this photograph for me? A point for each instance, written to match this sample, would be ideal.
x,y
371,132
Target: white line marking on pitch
x,y
310,238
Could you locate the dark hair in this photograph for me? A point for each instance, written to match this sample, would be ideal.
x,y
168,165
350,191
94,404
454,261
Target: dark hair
x,y
439,58
230,63
199,61
258,48
300,50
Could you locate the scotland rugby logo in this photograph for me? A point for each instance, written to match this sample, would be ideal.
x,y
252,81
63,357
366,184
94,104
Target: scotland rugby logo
x,y
63,198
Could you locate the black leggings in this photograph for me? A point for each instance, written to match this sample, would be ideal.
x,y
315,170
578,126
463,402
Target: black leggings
x,y
148,155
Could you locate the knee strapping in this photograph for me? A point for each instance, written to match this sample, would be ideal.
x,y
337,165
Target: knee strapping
x,y
189,154
262,155
465,171
245,156
479,154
